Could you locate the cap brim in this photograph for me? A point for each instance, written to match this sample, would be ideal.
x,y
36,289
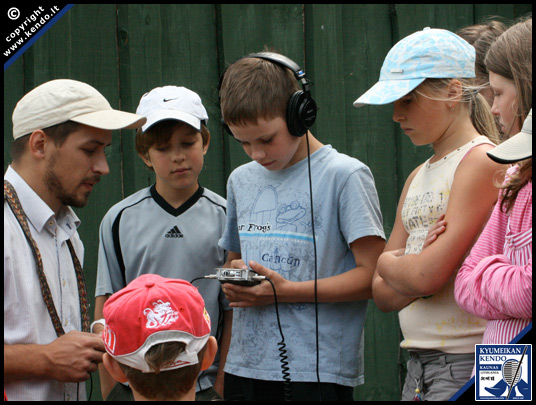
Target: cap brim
x,y
518,147
111,120
172,115
194,344
387,91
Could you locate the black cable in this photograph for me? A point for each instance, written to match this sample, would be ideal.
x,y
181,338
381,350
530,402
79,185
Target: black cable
x,y
90,386
219,327
316,265
197,278
282,351
287,390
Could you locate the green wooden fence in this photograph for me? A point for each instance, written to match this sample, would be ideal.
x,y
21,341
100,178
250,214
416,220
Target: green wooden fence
x,y
126,50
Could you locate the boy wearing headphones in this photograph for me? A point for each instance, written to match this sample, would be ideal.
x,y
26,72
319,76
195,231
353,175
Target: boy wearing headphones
x,y
279,230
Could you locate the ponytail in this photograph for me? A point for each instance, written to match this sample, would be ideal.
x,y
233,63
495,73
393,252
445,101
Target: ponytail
x,y
481,116
479,108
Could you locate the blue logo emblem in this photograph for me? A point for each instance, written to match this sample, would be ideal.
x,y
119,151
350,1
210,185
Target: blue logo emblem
x,y
503,372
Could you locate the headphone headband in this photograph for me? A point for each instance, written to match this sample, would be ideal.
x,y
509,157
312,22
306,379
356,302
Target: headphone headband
x,y
301,108
282,60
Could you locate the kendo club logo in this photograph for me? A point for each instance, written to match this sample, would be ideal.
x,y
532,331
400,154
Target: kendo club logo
x,y
503,372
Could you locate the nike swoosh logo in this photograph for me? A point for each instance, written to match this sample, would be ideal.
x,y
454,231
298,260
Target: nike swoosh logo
x,y
168,99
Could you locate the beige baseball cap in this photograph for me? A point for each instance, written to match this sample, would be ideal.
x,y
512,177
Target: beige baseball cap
x,y
62,100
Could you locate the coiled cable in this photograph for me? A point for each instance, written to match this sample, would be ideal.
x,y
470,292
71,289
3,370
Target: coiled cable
x,y
282,351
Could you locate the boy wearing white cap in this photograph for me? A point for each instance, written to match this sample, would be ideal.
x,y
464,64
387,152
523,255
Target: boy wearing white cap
x,y
171,228
61,129
157,337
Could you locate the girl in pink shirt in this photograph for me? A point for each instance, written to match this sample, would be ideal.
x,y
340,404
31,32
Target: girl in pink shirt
x,y
495,281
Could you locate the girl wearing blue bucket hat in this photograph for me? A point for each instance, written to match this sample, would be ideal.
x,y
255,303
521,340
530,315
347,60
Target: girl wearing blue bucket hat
x,y
424,75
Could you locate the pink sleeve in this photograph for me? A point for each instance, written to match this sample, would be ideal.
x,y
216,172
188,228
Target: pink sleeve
x,y
489,243
501,289
488,284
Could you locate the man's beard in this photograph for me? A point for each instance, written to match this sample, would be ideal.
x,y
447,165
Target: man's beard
x,y
54,184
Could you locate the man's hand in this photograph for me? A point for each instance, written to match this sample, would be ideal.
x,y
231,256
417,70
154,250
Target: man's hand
x,y
73,356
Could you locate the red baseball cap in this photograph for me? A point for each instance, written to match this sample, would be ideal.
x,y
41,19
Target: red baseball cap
x,y
151,310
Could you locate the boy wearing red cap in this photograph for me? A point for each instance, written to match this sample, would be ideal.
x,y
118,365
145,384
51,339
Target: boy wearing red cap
x,y
157,337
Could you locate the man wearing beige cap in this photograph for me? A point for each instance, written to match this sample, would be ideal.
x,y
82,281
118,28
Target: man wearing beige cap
x,y
60,131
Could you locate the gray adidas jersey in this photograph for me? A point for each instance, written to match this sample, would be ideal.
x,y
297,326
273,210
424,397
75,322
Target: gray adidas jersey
x,y
144,234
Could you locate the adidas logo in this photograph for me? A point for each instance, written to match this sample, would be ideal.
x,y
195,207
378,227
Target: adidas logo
x,y
174,233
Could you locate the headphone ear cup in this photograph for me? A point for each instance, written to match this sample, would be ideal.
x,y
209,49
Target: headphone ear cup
x,y
307,111
301,113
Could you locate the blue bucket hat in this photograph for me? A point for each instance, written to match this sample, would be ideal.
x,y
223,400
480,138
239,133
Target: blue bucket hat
x,y
430,53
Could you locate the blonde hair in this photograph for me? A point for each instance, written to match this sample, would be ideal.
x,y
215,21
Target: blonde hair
x,y
479,109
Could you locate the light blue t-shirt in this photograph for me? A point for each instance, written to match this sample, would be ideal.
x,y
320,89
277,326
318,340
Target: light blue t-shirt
x,y
269,221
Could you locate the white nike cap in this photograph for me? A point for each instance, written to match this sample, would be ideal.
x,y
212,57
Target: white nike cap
x,y
172,102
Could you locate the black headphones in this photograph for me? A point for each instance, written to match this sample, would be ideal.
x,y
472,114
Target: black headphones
x,y
301,108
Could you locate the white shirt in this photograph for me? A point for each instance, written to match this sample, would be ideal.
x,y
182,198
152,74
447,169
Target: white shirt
x,y
436,322
26,318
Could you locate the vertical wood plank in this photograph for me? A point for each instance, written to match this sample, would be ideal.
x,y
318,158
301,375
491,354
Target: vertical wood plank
x,y
248,28
345,50
169,44
13,92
